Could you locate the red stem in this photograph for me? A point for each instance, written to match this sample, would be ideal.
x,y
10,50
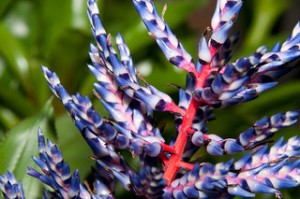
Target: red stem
x,y
186,165
175,162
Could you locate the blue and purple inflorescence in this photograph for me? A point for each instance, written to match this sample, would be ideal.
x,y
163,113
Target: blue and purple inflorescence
x,y
10,187
165,169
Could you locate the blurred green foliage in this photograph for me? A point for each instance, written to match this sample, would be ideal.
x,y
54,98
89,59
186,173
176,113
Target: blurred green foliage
x,y
56,33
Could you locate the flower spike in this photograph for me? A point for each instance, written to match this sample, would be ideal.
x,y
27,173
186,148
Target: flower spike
x,y
56,173
88,120
122,72
160,31
244,79
259,174
149,181
169,170
10,188
249,139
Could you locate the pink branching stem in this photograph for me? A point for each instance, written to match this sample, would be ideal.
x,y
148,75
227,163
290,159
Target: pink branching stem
x,y
187,166
175,162
201,77
163,157
168,148
206,70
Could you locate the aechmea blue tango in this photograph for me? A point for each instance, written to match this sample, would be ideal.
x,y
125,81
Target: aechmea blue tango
x,y
10,187
166,169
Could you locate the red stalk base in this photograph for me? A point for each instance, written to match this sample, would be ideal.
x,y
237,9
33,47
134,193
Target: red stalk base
x,y
175,162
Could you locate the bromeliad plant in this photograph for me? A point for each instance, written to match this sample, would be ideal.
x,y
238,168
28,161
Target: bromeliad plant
x,y
166,169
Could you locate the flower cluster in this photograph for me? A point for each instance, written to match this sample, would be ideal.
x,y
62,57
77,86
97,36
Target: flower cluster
x,y
10,187
166,169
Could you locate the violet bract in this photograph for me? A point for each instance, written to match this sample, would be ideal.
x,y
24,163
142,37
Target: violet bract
x,y
165,169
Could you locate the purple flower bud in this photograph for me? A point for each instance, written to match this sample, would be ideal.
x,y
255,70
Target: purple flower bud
x,y
204,54
56,173
164,37
167,171
10,188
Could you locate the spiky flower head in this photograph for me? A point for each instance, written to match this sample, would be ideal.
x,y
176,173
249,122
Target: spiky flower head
x,y
212,82
166,169
57,175
10,188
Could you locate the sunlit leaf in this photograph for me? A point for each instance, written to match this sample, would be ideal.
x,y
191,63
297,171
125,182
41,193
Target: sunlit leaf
x,y
20,144
7,118
14,100
14,54
266,14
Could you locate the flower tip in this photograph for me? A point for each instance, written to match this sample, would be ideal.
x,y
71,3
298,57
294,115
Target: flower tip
x,y
40,132
43,67
236,190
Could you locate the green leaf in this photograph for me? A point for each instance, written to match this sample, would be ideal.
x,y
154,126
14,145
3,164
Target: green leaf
x,y
7,118
4,4
266,14
73,42
20,144
53,24
79,17
13,99
14,54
